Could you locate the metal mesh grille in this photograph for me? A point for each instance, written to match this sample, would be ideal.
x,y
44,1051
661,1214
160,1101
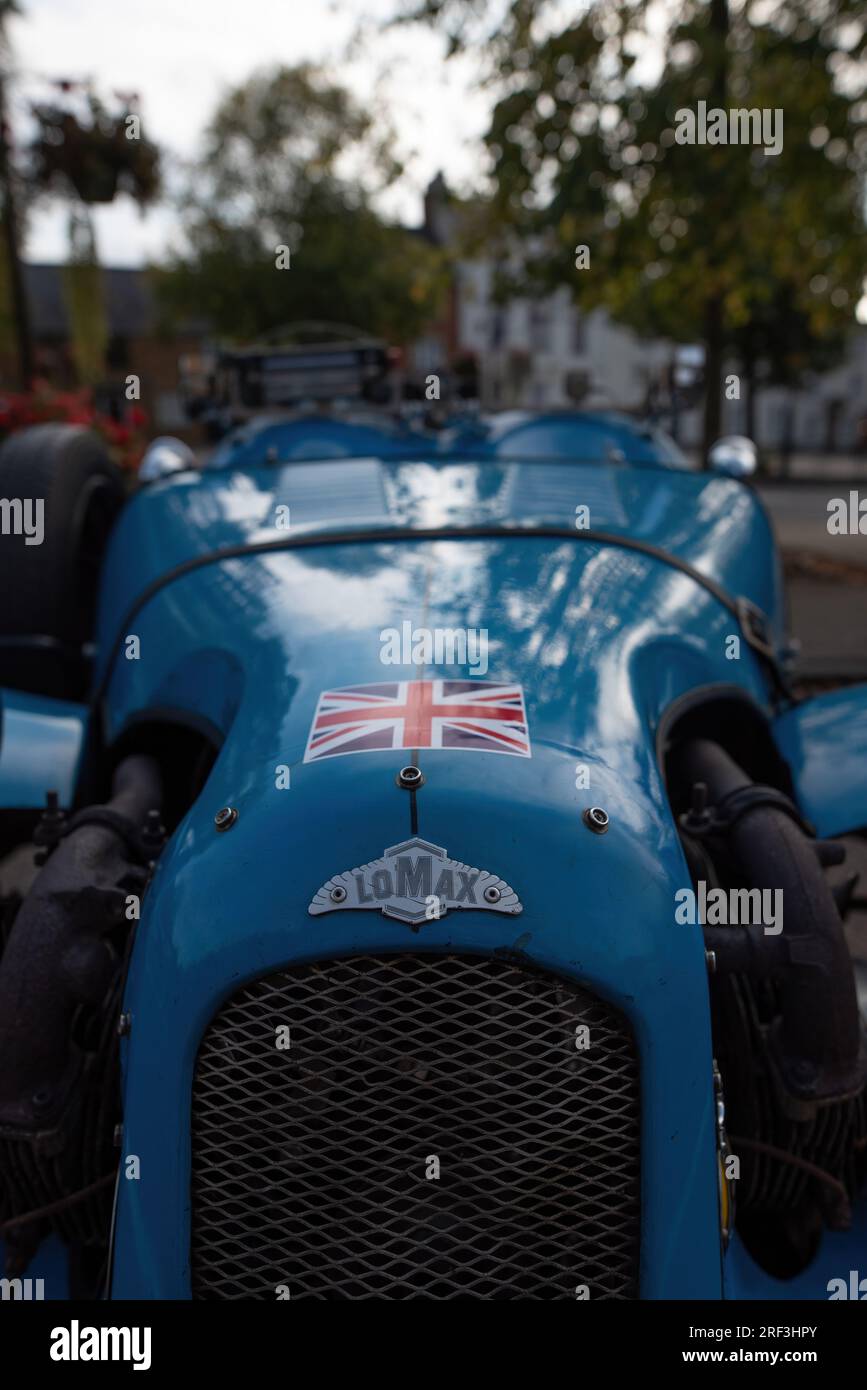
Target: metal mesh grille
x,y
310,1165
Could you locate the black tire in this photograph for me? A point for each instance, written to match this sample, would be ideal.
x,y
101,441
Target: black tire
x,y
49,590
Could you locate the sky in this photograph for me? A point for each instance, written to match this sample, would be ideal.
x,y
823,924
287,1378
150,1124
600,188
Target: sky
x,y
181,56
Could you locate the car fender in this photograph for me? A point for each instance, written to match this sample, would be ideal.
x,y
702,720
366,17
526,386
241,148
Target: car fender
x,y
41,746
824,742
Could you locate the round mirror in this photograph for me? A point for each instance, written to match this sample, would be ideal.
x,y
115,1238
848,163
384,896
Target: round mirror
x,y
734,455
163,456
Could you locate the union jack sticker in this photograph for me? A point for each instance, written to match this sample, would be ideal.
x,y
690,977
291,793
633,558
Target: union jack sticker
x,y
463,715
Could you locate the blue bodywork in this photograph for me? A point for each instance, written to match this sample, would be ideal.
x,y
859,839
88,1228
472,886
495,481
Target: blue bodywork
x,y
41,749
824,741
603,640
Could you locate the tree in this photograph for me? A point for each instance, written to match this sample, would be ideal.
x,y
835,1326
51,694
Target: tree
x,y
692,241
776,345
290,160
11,273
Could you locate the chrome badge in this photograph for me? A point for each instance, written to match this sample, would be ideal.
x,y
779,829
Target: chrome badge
x,y
415,882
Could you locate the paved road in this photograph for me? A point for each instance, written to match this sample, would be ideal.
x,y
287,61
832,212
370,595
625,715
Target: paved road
x,y
826,585
800,516
826,580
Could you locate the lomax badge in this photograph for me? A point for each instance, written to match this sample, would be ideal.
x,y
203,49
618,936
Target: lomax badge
x,y
415,882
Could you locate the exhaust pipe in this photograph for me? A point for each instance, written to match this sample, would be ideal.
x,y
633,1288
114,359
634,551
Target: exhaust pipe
x,y
818,1045
57,958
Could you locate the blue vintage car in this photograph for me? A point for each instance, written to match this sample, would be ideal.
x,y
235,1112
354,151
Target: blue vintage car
x,y
437,890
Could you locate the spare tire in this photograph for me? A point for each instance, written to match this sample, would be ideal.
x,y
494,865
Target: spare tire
x,y
50,584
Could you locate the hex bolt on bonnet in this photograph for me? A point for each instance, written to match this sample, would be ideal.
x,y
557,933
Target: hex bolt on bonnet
x,y
596,819
410,777
225,818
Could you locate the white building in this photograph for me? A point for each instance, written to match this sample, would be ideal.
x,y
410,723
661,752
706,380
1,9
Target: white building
x,y
544,353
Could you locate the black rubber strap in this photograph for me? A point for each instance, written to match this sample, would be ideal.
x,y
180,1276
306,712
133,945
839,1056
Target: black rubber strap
x,y
731,808
753,622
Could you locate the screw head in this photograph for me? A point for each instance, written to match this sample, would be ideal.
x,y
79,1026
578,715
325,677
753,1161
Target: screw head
x,y
596,819
124,1023
491,894
338,894
410,777
225,818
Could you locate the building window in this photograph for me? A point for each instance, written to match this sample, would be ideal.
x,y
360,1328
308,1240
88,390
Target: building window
x,y
540,328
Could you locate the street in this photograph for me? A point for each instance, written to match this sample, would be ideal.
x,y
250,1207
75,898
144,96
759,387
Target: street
x,y
826,581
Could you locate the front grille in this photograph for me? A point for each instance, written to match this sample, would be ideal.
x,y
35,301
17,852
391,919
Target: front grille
x,y
314,1165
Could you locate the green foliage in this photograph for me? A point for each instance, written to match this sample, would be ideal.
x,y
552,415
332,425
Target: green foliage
x,y
8,335
290,159
582,150
85,303
82,293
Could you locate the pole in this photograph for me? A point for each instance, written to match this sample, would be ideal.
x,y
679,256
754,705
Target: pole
x,y
10,239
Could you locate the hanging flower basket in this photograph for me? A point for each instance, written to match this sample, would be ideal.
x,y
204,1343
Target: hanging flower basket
x,y
95,159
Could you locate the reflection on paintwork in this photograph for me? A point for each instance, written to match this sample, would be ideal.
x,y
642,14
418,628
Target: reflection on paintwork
x,y
600,638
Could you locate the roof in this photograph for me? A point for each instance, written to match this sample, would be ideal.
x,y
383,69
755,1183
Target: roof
x,y
130,302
